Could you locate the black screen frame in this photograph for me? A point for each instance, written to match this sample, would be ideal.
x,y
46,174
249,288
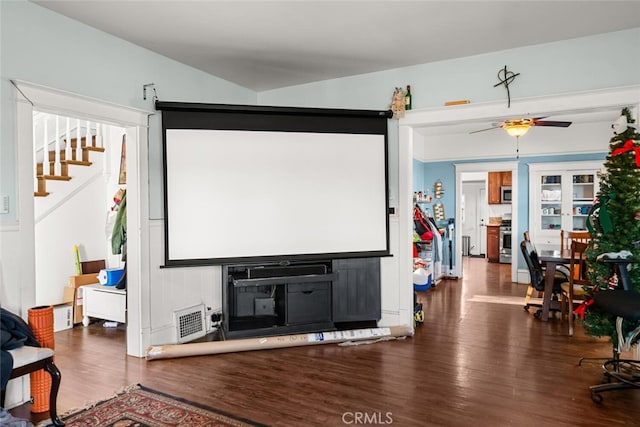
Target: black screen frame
x,y
200,116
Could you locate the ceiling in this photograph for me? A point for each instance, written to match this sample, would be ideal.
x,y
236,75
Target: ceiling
x,y
265,45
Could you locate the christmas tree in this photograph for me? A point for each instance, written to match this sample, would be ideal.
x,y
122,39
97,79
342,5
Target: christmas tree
x,y
614,221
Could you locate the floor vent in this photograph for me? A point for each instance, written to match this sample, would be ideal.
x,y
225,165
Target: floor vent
x,y
190,323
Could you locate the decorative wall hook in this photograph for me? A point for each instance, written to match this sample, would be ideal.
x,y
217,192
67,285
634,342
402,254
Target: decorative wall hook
x,y
144,91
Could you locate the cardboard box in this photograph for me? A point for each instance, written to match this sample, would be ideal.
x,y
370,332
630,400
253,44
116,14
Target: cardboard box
x,y
62,317
73,295
83,279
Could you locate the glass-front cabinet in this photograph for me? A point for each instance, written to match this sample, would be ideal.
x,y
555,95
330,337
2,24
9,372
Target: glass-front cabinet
x,y
561,195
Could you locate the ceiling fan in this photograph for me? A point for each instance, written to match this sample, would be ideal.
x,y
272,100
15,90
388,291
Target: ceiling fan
x,y
518,127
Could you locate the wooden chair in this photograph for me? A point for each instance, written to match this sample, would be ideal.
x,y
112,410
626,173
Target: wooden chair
x,y
28,359
566,237
576,287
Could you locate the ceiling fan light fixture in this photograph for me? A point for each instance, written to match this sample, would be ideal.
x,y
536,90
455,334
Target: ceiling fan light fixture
x,y
516,130
518,127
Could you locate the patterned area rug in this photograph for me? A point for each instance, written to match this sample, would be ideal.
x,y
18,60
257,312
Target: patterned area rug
x,y
139,406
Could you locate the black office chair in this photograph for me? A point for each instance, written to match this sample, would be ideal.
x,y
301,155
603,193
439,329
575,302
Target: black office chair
x,y
562,274
537,273
624,304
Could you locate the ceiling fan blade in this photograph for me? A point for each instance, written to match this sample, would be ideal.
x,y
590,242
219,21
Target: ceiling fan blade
x,y
553,123
483,130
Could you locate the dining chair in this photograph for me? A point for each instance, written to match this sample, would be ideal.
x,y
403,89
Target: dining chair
x,y
577,286
566,237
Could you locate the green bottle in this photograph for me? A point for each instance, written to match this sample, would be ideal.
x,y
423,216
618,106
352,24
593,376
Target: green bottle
x,y
407,98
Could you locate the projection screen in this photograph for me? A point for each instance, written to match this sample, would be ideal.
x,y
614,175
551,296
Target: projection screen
x,y
246,183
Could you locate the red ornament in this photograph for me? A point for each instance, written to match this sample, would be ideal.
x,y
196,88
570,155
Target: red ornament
x,y
582,308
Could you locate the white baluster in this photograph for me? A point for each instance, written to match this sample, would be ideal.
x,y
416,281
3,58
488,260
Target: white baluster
x,y
88,142
45,146
78,148
99,135
67,137
57,168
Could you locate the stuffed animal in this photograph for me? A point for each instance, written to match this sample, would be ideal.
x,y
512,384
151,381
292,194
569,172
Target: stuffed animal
x,y
397,103
621,125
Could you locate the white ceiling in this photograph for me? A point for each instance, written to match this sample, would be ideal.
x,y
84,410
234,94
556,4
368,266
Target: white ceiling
x,y
265,44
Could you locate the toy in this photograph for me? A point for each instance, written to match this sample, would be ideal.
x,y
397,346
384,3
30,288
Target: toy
x,y
621,125
397,104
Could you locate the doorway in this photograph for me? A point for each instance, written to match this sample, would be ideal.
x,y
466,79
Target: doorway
x,y
474,214
471,172
79,212
32,97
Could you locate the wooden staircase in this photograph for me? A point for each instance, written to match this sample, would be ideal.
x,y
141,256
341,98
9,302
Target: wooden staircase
x,y
64,163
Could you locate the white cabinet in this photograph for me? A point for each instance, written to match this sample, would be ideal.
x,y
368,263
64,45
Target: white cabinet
x,y
561,195
104,302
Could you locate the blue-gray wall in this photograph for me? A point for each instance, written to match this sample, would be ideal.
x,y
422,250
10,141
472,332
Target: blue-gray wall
x,y
43,47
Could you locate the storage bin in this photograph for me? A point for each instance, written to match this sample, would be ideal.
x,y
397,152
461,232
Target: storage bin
x,y
308,303
110,277
466,245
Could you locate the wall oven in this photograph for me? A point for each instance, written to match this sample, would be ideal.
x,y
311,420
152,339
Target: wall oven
x,y
505,241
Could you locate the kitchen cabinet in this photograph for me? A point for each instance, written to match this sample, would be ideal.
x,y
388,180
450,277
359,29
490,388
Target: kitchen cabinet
x,y
497,180
561,196
493,243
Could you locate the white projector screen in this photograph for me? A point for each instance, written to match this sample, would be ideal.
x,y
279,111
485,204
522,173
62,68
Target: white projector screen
x,y
252,194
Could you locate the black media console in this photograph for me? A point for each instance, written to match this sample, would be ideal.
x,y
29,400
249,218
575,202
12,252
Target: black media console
x,y
299,297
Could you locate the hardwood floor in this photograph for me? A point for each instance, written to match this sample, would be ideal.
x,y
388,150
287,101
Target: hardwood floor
x,y
470,363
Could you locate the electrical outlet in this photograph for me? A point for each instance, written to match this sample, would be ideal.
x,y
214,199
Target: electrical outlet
x,y
4,203
209,324
213,318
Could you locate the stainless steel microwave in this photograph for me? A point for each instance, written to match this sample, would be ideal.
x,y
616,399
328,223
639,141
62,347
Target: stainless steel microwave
x,y
505,194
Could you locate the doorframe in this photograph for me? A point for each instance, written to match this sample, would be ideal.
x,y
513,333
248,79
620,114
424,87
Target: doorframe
x,y
558,104
462,168
29,97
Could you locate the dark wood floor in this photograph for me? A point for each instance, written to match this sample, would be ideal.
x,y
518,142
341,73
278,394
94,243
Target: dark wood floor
x,y
470,363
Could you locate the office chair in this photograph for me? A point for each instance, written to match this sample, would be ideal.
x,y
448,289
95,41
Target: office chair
x,y
624,304
537,273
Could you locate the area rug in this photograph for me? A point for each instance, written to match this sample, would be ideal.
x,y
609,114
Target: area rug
x,y
139,406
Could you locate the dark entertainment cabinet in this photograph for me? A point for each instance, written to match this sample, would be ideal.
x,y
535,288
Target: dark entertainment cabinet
x,y
299,296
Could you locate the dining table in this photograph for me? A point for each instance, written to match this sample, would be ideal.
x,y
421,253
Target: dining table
x,y
551,258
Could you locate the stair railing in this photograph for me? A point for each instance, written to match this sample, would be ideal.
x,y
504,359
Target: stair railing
x,y
54,146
